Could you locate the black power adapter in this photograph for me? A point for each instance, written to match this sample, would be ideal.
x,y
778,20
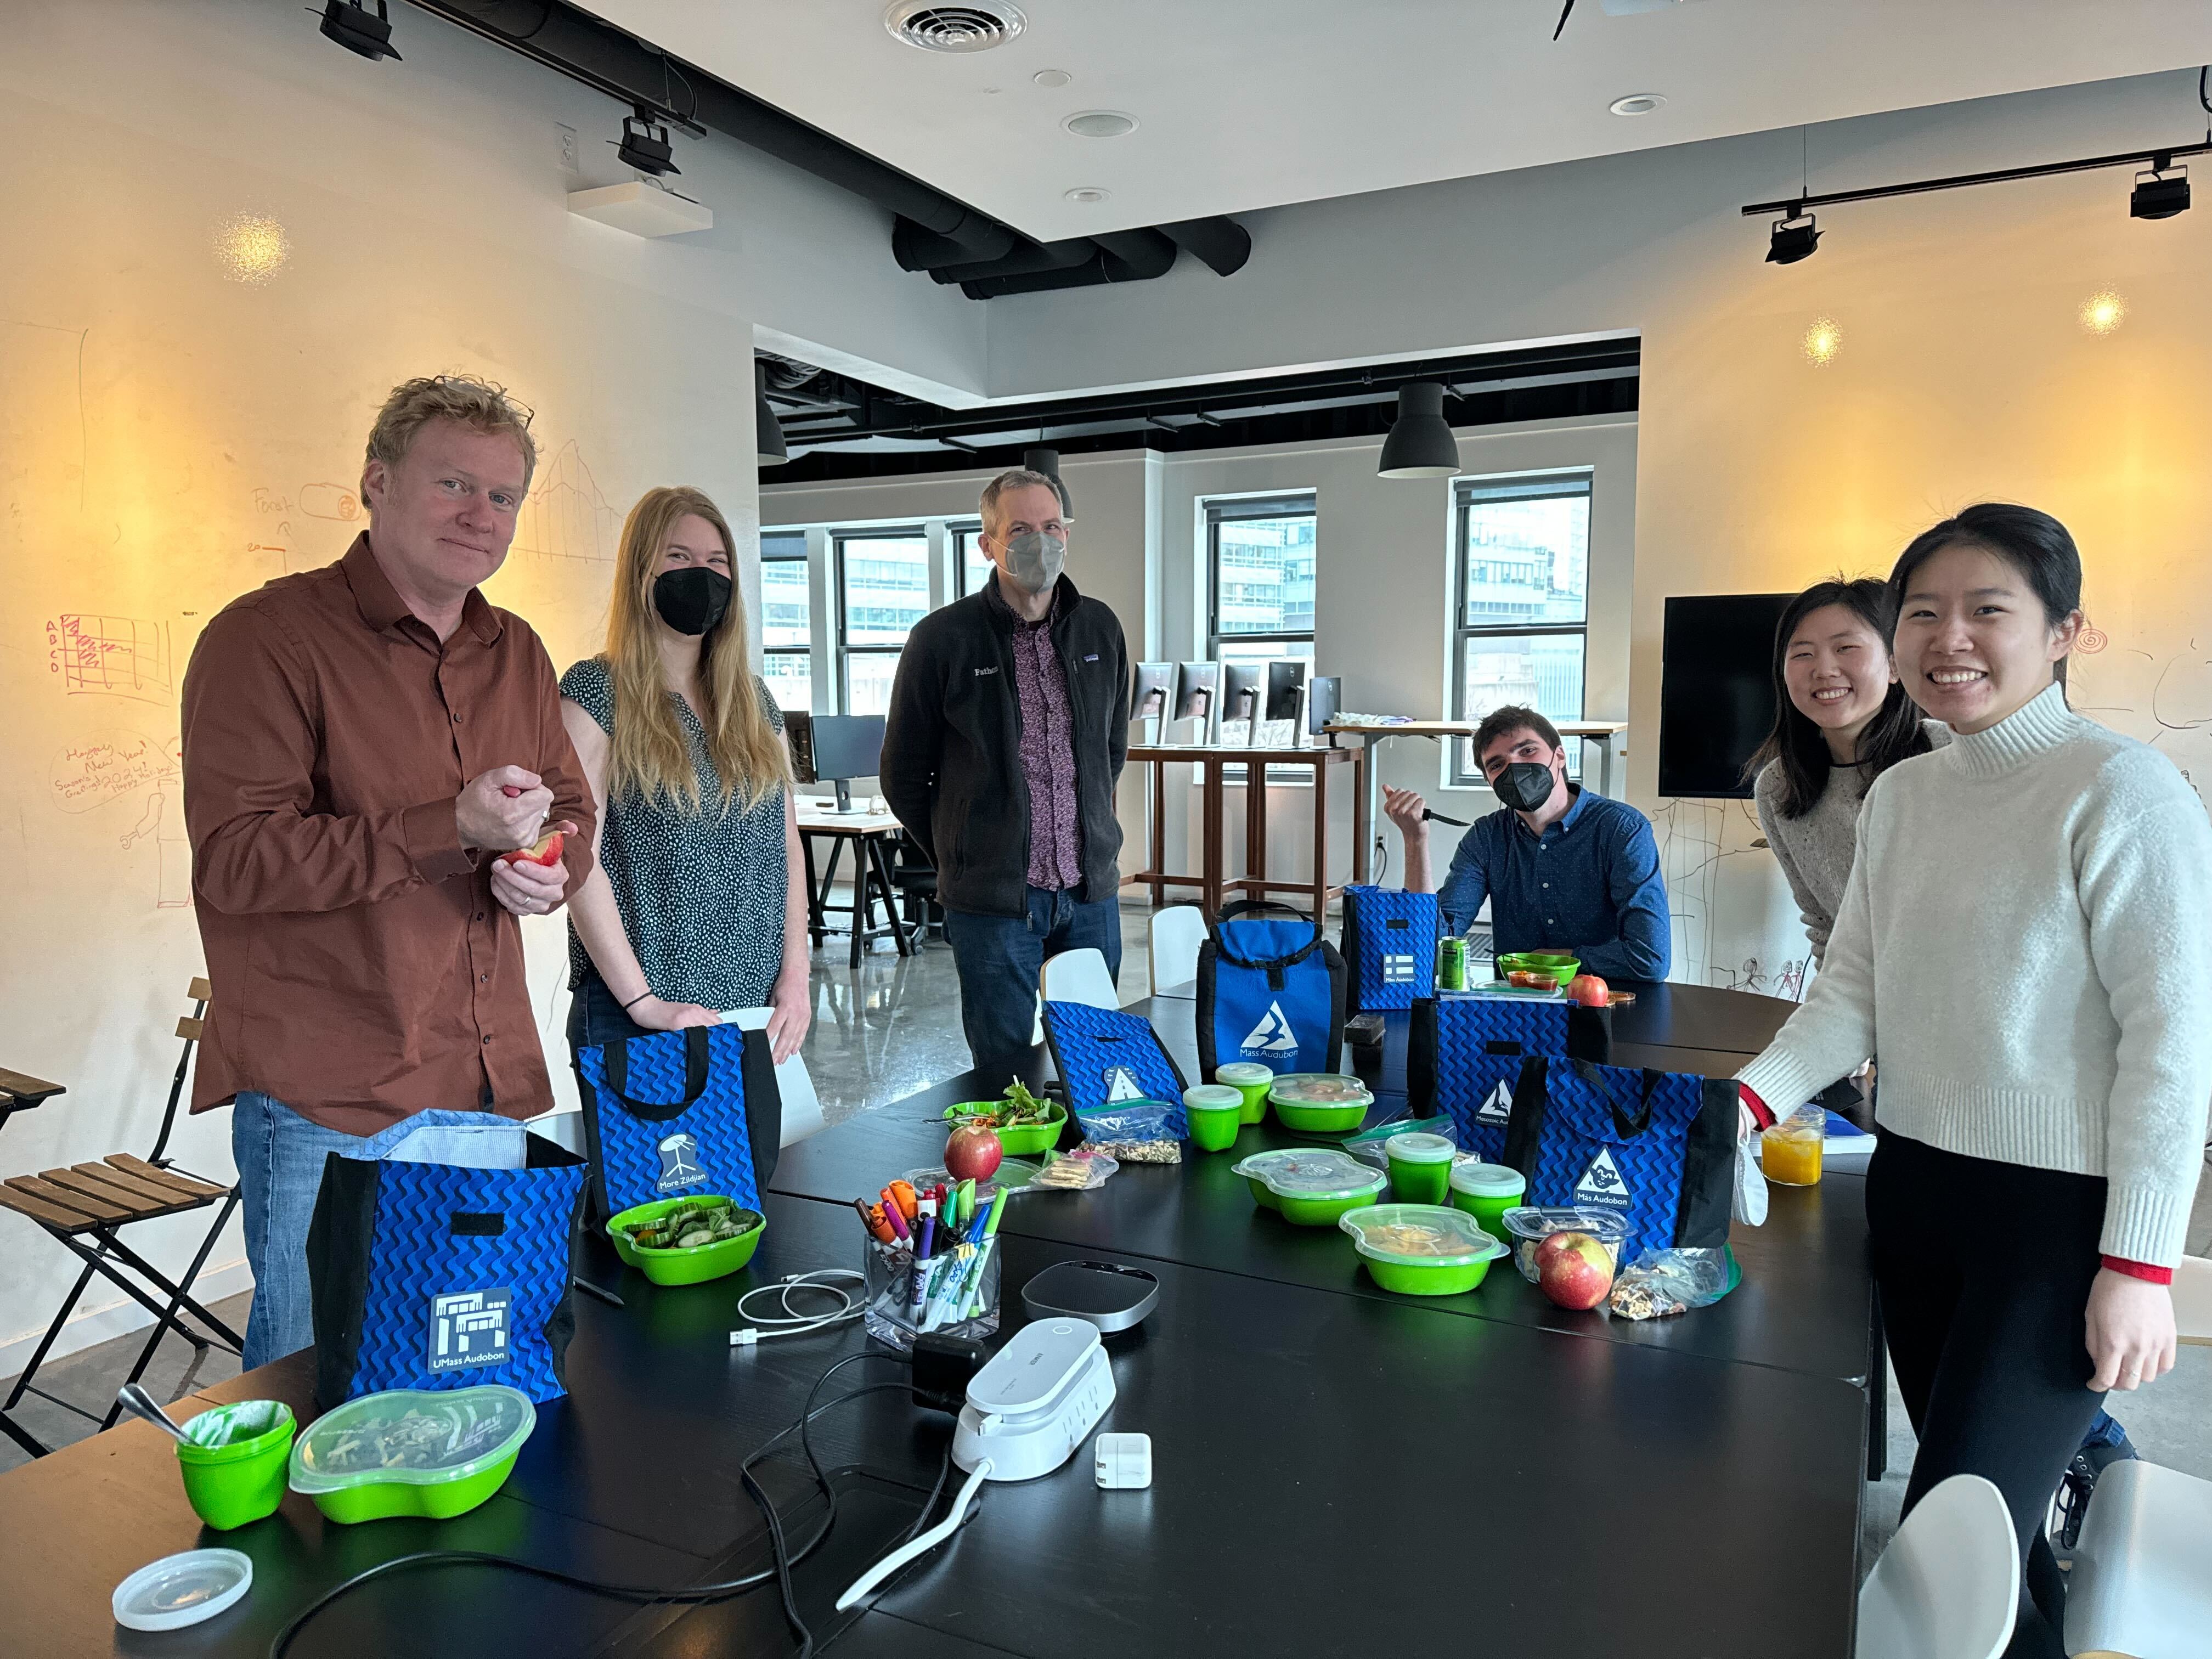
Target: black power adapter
x,y
942,1366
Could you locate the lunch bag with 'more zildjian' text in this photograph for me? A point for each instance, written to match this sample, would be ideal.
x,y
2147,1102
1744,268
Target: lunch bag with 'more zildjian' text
x,y
681,1114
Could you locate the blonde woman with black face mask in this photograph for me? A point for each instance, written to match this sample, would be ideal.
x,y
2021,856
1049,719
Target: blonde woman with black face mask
x,y
690,907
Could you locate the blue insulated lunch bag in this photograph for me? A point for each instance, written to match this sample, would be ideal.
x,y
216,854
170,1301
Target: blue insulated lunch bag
x,y
1106,1058
1390,947
441,1276
1464,1054
1270,989
1657,1147
681,1114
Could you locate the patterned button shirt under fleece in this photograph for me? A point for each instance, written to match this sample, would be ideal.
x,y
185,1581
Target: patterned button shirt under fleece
x,y
1048,756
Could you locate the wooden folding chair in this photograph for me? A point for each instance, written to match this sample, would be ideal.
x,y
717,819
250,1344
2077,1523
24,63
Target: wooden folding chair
x,y
85,1207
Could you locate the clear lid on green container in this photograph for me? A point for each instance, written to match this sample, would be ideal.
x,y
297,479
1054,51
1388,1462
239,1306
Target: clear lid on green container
x,y
412,1438
1416,1146
1320,1088
1295,1172
1219,1097
1419,1236
1239,1072
1532,1222
1488,1181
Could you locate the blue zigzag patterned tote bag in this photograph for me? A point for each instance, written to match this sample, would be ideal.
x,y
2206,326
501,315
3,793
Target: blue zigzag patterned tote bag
x,y
436,1276
1105,1057
678,1113
1464,1055
1657,1147
1389,946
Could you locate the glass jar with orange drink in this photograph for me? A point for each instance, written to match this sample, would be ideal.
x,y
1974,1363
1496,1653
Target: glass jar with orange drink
x,y
1791,1149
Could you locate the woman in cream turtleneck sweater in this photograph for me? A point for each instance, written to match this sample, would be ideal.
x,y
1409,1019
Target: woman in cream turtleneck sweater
x,y
2024,946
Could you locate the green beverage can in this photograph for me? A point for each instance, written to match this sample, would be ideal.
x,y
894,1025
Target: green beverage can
x,y
1451,964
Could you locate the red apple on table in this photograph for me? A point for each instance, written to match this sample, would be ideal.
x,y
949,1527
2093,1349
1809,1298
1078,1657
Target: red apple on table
x,y
973,1153
1574,1270
1589,990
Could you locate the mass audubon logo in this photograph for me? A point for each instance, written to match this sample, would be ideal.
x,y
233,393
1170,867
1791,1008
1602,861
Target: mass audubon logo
x,y
1498,1108
1273,1035
1602,1182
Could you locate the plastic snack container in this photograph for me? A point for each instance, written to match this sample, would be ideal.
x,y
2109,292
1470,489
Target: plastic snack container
x,y
1487,1192
1250,1079
437,1454
240,1476
1311,1189
1527,1227
1421,1250
693,1266
1420,1167
1215,1111
1319,1103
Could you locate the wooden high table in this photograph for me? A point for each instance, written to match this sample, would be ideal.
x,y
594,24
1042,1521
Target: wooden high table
x,y
1600,732
870,835
1214,761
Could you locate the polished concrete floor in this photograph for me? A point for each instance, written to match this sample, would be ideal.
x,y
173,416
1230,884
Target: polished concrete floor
x,y
892,1026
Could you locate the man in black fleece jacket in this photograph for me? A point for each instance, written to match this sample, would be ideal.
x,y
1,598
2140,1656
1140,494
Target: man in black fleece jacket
x,y
1007,731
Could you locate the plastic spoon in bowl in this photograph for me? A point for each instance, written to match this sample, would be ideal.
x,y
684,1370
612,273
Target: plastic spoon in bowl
x,y
136,1401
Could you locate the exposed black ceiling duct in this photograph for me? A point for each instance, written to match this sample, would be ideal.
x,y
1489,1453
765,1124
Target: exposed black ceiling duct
x,y
1024,260
931,230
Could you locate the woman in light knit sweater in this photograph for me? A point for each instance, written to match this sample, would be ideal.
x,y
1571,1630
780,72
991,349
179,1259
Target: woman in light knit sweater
x,y
2022,947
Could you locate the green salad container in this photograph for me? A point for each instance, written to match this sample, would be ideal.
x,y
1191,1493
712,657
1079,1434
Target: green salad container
x,y
1024,1140
1421,1250
233,1468
435,1453
693,1266
1557,964
1487,1192
1313,1188
1319,1103
1215,1112
1250,1079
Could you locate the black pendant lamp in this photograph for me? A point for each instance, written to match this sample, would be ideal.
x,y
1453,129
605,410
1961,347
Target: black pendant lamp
x,y
767,431
1420,445
1046,461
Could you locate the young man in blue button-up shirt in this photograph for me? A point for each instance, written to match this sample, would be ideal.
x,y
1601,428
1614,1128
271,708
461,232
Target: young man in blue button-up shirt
x,y
1563,869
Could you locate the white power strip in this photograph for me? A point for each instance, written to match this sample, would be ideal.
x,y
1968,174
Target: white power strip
x,y
1035,1402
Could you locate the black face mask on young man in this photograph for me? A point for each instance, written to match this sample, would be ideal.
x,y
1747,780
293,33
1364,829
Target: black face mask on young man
x,y
1524,786
691,598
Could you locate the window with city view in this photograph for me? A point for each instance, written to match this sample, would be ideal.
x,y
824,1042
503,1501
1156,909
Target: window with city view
x,y
883,590
785,621
1261,553
1523,602
968,558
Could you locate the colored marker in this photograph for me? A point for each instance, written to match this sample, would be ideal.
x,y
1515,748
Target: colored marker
x,y
997,1209
896,1221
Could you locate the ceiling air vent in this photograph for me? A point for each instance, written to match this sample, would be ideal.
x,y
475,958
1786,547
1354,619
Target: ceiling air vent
x,y
977,26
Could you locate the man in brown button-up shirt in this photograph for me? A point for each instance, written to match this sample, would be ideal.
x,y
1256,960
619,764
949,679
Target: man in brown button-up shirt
x,y
360,744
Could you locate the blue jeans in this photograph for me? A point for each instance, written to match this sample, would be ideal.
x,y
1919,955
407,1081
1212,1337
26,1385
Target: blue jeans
x,y
1000,958
280,1156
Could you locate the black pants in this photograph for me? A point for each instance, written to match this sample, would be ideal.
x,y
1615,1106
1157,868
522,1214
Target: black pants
x,y
595,1018
1984,1270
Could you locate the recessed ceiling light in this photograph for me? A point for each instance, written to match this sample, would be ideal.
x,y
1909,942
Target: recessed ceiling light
x,y
1639,103
1052,77
1088,193
1100,124
976,26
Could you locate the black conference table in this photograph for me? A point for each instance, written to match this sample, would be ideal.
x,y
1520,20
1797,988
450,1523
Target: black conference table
x,y
1333,1464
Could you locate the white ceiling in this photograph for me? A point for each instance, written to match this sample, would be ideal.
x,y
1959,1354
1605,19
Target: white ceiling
x,y
1245,104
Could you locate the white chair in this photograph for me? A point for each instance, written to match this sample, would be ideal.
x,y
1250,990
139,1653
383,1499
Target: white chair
x,y
1172,948
2141,1583
1079,976
1949,1585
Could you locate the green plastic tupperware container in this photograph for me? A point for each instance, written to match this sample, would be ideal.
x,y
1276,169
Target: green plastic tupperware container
x,y
1319,1103
241,1477
1420,1167
1487,1192
1311,1189
1250,1079
693,1266
1215,1112
1421,1250
1555,964
435,1454
1025,1140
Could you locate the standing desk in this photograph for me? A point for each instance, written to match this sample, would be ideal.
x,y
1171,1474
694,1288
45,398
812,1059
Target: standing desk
x,y
1213,760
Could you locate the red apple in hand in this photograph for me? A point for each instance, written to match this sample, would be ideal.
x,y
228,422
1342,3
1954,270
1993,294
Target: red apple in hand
x,y
1574,1270
546,852
973,1153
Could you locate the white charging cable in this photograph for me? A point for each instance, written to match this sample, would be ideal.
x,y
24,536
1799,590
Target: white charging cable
x,y
921,1546
791,1322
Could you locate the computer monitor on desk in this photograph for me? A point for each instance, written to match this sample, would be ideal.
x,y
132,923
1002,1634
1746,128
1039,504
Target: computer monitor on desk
x,y
845,747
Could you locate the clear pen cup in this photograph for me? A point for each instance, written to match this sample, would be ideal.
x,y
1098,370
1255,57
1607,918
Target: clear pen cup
x,y
959,1293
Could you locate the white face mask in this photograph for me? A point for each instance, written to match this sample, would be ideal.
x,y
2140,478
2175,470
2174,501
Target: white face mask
x,y
1033,559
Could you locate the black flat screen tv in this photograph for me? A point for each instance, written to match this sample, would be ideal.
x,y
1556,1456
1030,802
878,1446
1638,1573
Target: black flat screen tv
x,y
1715,690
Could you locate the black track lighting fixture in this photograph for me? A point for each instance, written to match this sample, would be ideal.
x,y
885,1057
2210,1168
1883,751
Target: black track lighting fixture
x,y
2161,192
1420,444
1046,461
1794,236
645,144
767,431
365,33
